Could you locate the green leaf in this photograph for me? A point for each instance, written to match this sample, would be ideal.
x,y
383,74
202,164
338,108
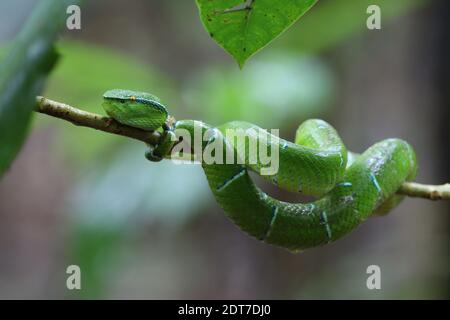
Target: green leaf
x,y
22,74
244,27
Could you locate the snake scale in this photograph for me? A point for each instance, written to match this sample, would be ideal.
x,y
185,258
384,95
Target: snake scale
x,y
349,187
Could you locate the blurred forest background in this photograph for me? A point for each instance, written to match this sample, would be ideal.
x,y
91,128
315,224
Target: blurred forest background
x,y
153,230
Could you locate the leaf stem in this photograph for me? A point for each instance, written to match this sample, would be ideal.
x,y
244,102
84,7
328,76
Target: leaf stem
x,y
86,119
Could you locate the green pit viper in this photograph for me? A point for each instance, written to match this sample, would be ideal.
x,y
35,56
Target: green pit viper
x,y
349,187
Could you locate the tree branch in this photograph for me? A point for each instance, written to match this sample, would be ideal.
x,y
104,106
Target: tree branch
x,y
86,119
432,192
95,121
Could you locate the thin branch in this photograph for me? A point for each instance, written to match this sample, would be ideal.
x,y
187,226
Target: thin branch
x,y
86,119
95,121
432,192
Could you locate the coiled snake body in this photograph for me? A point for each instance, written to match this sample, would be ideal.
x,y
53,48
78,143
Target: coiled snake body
x,y
350,187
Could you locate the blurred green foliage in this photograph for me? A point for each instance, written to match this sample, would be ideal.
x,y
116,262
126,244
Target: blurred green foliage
x,y
334,22
275,91
23,72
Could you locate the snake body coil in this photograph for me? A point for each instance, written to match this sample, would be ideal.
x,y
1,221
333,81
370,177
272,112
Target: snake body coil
x,y
316,164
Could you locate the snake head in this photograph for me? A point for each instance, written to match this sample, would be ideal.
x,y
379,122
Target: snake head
x,y
136,109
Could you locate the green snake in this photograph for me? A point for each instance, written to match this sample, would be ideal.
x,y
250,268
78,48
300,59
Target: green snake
x,y
349,187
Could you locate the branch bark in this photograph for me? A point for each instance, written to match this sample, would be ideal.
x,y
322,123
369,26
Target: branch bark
x,y
432,192
91,120
86,119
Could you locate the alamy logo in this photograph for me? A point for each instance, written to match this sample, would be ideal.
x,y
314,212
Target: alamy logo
x,y
74,279
374,280
253,146
73,22
374,20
